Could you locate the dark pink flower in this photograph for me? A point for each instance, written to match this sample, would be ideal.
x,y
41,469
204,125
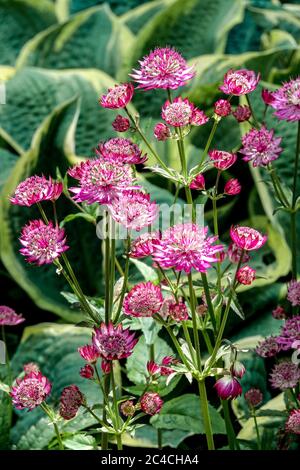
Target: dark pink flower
x,y
101,181
239,82
127,408
260,146
117,97
144,300
290,332
245,275
36,189
222,160
70,401
267,96
242,113
106,366
228,387
8,317
232,187
121,123
186,247
163,68
198,182
89,353
120,150
142,246
238,369
181,112
153,368
279,313
161,131
87,371
113,342
151,403
253,397
268,347
293,423
42,243
134,210
293,294
222,108
285,375
234,254
286,101
30,391
177,311
247,238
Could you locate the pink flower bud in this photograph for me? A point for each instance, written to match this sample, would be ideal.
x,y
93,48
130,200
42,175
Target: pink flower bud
x,y
151,403
246,275
105,366
87,371
228,387
121,124
222,160
253,397
267,96
232,187
238,369
222,108
198,182
242,113
161,131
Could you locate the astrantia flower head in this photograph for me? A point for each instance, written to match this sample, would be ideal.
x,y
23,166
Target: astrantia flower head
x,y
239,82
163,68
134,210
112,342
153,368
161,131
234,254
253,397
70,401
293,423
228,387
127,408
30,391
293,294
267,96
290,332
106,366
238,369
186,247
120,150
121,123
232,187
279,313
36,189
101,181
42,243
143,246
268,347
87,371
181,112
242,113
285,375
286,101
117,97
247,238
222,108
89,353
245,275
177,311
260,146
151,403
222,160
8,317
144,300
198,182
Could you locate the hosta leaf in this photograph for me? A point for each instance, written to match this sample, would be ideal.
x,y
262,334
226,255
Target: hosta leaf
x,y
118,6
57,47
20,21
147,437
136,18
80,442
5,408
9,154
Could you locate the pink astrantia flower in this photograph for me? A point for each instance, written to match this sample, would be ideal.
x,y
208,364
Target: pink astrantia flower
x,y
143,300
260,146
293,294
198,183
245,275
163,68
232,187
267,96
228,387
105,366
134,210
242,113
151,403
253,397
238,369
87,371
30,391
177,311
70,401
186,246
120,150
247,238
36,189
293,423
181,112
161,131
153,368
222,160
101,181
89,353
285,375
222,108
8,317
239,82
234,254
286,101
127,408
279,313
42,243
113,342
117,97
268,347
121,123
143,246
290,332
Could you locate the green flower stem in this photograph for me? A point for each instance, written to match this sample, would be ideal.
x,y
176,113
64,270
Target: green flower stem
x,y
205,414
107,310
104,437
105,396
188,340
112,272
188,193
194,319
47,411
256,122
116,410
294,212
7,360
159,439
175,341
208,143
216,226
232,441
277,186
93,414
209,302
257,430
124,286
119,267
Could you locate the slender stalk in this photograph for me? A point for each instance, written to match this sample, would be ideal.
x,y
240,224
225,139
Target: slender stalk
x,y
107,311
209,141
116,410
205,414
7,360
93,414
257,430
124,287
104,436
232,441
256,123
194,319
277,187
159,439
216,226
46,410
209,302
294,212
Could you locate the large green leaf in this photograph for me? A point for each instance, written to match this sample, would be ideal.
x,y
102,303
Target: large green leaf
x,y
184,413
20,21
117,6
54,348
9,154
146,436
94,38
136,18
5,410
